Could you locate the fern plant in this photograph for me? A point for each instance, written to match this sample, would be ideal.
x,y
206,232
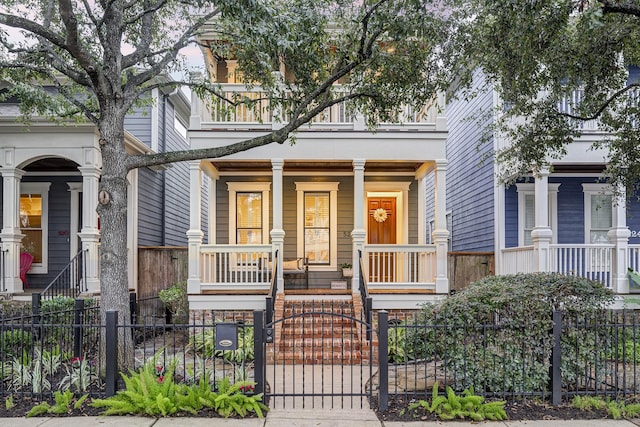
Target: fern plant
x,y
615,409
64,403
146,393
468,405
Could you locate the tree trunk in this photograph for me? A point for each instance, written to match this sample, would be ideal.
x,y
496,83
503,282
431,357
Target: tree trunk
x,y
112,209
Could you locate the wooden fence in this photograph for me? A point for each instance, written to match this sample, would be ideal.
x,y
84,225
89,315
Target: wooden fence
x,y
468,267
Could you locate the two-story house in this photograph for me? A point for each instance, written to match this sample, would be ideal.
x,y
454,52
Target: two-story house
x,y
50,175
563,219
293,214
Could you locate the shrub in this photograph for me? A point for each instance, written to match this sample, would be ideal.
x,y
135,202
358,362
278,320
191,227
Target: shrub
x,y
496,333
15,342
175,300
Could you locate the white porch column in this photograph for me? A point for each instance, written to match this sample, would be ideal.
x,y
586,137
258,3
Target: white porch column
x,y
541,234
359,232
441,234
194,234
89,233
619,236
277,232
11,235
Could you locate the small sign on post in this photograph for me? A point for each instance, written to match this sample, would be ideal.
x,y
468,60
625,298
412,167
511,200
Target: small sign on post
x,y
226,336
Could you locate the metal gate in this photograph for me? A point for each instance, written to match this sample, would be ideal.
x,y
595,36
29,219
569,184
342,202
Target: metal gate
x,y
316,355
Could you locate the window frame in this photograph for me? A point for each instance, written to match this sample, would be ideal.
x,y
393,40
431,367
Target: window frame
x,y
527,189
318,187
248,187
42,189
590,190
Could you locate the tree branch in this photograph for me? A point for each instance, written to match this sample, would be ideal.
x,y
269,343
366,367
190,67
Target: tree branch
x,y
622,7
73,38
604,105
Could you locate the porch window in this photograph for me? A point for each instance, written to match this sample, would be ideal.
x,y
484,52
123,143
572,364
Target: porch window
x,y
248,212
249,218
598,212
527,211
34,207
318,223
316,227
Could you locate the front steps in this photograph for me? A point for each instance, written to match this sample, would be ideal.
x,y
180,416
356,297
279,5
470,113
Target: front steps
x,y
319,332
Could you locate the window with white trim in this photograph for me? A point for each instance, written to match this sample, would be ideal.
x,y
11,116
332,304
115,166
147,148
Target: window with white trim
x,y
598,212
34,223
527,211
248,212
317,223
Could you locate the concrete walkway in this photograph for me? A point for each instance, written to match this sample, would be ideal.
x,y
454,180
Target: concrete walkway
x,y
293,418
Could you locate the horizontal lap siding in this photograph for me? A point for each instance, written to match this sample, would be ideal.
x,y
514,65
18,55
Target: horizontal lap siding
x,y
149,208
571,209
60,232
177,186
470,183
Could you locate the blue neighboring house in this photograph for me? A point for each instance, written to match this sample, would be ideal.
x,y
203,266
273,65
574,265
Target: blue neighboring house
x,y
50,176
561,220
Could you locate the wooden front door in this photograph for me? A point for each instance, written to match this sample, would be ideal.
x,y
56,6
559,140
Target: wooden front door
x,y
382,231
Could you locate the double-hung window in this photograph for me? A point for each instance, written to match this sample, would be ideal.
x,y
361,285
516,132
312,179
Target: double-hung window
x,y
248,212
34,223
598,212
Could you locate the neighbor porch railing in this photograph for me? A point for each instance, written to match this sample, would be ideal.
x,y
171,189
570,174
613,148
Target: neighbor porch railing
x,y
400,266
593,261
70,282
235,266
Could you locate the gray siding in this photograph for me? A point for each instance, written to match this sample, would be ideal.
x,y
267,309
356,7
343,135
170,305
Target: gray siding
x,y
59,228
470,182
150,209
138,123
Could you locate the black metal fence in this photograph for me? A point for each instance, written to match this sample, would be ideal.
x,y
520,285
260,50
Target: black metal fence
x,y
71,348
61,345
579,355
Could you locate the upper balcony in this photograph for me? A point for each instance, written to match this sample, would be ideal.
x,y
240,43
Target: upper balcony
x,y
256,113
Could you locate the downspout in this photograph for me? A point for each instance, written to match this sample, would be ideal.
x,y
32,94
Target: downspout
x,y
163,148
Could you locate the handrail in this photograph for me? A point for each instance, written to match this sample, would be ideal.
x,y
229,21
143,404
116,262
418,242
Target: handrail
x,y
3,269
68,282
367,301
273,289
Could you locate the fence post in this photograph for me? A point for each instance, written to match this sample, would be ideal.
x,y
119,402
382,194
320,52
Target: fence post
x,y
258,352
269,300
383,360
556,360
133,307
77,328
111,353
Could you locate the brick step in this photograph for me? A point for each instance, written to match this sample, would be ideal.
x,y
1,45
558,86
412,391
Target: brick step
x,y
327,322
318,357
318,313
318,333
320,344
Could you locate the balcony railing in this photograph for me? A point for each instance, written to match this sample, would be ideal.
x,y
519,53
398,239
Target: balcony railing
x,y
400,266
253,111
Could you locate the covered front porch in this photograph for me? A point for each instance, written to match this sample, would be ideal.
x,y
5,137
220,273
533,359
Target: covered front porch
x,y
292,225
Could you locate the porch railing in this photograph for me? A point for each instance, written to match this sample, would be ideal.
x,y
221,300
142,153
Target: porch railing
x,y
590,261
250,108
400,266
518,260
593,261
237,266
634,257
70,281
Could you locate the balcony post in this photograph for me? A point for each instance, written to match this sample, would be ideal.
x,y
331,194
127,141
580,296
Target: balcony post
x,y
358,234
542,234
619,236
11,235
441,234
194,234
277,233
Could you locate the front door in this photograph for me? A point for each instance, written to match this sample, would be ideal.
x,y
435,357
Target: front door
x,y
382,231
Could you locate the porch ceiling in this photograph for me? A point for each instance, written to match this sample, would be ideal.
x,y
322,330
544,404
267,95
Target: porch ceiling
x,y
313,166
